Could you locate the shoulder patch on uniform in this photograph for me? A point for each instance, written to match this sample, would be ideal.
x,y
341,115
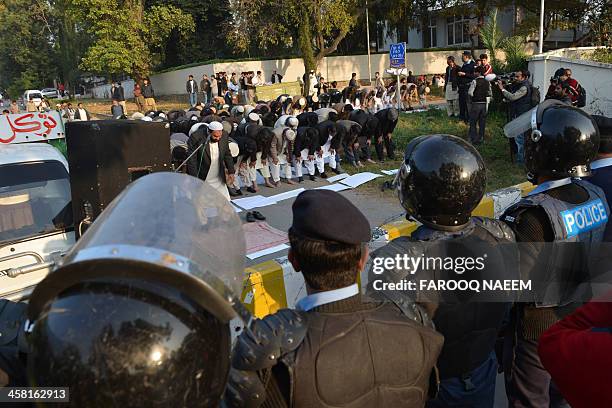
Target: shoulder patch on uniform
x,y
584,217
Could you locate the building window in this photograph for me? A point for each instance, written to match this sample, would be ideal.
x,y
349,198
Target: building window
x,y
431,33
458,30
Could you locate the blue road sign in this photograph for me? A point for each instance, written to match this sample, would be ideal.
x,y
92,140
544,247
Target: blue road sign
x,y
397,55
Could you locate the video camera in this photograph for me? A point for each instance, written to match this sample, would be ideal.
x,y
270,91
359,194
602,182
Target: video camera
x,y
505,79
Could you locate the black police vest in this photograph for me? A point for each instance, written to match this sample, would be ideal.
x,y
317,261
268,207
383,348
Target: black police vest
x,y
481,91
367,358
470,328
583,223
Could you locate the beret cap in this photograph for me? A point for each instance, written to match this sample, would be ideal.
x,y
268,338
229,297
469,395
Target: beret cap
x,y
325,215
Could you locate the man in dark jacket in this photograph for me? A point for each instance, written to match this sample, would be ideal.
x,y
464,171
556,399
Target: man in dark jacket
x,y
149,96
213,159
276,78
349,131
451,87
519,99
466,75
119,96
306,143
387,120
337,349
206,90
192,90
368,123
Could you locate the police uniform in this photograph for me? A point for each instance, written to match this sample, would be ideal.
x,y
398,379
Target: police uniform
x,y
602,167
336,350
138,314
561,225
442,180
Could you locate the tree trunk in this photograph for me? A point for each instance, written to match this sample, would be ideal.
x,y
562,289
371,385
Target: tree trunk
x,y
305,45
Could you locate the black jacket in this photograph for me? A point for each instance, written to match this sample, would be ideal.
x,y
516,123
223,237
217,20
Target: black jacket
x,y
451,78
302,141
118,93
199,164
468,68
195,87
147,91
385,124
368,123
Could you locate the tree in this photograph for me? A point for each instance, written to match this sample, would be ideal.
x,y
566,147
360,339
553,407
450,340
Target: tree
x,y
593,15
207,41
26,47
128,38
314,27
492,38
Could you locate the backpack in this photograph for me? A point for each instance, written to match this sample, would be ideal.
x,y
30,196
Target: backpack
x,y
535,96
581,101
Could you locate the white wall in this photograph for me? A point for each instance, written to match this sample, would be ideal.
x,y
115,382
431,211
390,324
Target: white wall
x,y
595,77
332,68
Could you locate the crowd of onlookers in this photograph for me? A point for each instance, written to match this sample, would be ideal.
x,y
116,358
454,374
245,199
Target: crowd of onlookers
x,y
468,90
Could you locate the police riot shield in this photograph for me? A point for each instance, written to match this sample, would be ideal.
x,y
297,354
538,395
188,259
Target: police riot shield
x,y
166,228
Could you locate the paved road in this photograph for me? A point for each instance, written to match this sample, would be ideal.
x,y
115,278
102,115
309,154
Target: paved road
x,y
377,208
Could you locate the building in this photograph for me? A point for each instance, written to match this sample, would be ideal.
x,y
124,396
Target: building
x,y
455,27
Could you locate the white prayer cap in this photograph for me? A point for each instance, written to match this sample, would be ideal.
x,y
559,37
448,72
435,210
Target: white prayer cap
x,y
240,109
214,125
293,121
253,117
195,127
290,134
147,119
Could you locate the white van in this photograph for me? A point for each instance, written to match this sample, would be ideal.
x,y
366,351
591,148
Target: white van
x,y
36,223
33,95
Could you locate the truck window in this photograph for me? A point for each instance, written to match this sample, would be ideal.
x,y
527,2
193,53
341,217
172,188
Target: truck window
x,y
34,199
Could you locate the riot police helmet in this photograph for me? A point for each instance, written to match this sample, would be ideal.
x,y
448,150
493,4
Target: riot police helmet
x,y
441,181
138,313
562,143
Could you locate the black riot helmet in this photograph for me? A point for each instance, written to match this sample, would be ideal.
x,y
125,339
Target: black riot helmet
x,y
441,181
562,143
138,313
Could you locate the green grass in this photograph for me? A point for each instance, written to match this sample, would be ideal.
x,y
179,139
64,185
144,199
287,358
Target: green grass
x,y
60,144
495,151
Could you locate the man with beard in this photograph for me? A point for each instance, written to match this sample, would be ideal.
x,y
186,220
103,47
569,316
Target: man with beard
x,y
213,160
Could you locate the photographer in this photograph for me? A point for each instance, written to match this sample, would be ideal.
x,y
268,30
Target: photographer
x,y
519,99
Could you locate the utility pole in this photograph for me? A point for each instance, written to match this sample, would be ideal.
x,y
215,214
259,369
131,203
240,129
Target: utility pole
x,y
541,46
368,35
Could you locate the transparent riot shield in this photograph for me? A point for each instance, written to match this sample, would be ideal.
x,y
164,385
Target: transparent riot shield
x,y
168,228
